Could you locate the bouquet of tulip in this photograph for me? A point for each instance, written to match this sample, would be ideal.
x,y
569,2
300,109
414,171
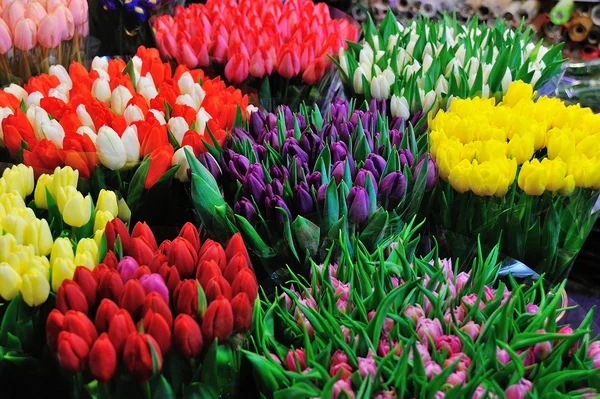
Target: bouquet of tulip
x,y
172,314
292,183
281,49
422,66
35,35
120,125
398,326
525,171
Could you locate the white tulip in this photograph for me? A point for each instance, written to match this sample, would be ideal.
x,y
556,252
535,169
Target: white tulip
x,y
390,76
473,66
495,53
541,53
380,87
186,99
37,116
61,92
202,118
366,55
146,87
487,70
410,48
452,67
197,95
131,143
178,126
536,76
528,49
485,93
100,63
250,109
449,103
180,159
506,80
101,90
411,69
137,66
4,112
85,130
160,117
53,131
376,42
460,54
427,62
399,107
357,81
102,74
61,73
427,50
380,55
132,114
401,59
17,91
429,101
85,118
119,98
343,60
34,99
441,86
110,148
186,83
392,40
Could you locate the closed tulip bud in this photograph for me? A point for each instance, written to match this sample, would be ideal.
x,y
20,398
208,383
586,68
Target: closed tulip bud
x,y
242,312
78,323
110,285
246,209
303,199
62,269
156,326
215,287
37,233
127,268
116,228
141,272
185,298
104,315
110,260
236,246
107,201
594,354
78,210
132,298
519,390
211,164
141,229
87,282
295,360
432,172
72,352
502,356
110,148
119,99
218,320
463,364
170,275
542,350
429,329
35,287
10,282
533,178
245,281
40,198
103,359
70,296
139,358
154,283
392,187
54,325
450,343
432,369
141,251
120,327
358,204
235,265
471,329
187,336
184,256
399,107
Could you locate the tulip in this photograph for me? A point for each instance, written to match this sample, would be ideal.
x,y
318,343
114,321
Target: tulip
x,y
37,234
237,263
78,210
288,61
183,256
72,352
141,251
154,283
542,350
206,271
471,329
294,359
141,229
432,369
170,276
127,268
104,315
111,150
215,287
107,201
533,178
110,285
432,173
132,298
156,326
87,282
142,356
519,390
54,325
141,272
218,320
10,282
179,158
25,34
594,353
116,228
242,312
190,233
358,204
451,343
245,281
5,38
78,323
429,329
236,245
236,70
119,99
35,288
120,327
154,302
185,298
187,336
211,164
103,359
212,250
70,296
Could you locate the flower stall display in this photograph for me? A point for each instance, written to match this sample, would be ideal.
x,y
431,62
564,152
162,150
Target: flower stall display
x,y
422,66
292,183
401,326
36,35
281,49
164,319
523,170
120,125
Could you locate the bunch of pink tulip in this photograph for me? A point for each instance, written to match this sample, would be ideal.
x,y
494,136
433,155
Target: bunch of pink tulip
x,y
35,34
255,38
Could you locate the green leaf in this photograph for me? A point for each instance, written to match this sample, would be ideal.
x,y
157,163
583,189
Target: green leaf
x,y
253,239
55,220
197,168
162,389
168,110
130,70
201,300
307,235
200,390
173,140
136,187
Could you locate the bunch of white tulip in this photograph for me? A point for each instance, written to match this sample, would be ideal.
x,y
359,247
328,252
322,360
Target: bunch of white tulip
x,y
421,66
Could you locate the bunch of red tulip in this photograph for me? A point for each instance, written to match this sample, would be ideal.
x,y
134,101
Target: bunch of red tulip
x,y
255,38
135,309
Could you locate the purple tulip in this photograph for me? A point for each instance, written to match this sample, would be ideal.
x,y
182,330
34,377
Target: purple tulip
x,y
279,172
291,149
311,144
288,116
532,308
127,268
257,124
502,356
432,369
345,131
339,110
406,158
272,138
367,366
330,133
255,187
339,151
519,390
246,209
471,329
314,179
480,393
303,199
260,151
432,172
395,138
345,387
376,106
337,171
358,204
321,195
415,120
301,121
439,395
429,329
397,123
271,121
275,188
542,350
211,164
369,121
238,166
155,283
392,187
241,135
272,213
361,179
375,164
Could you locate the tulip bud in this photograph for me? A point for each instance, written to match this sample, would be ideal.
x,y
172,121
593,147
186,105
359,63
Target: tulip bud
x,y
132,298
532,308
215,287
185,298
141,251
154,283
127,268
54,325
295,359
358,204
141,229
156,326
237,263
110,260
451,343
78,323
245,281
116,228
141,272
594,353
78,210
432,369
10,282
236,245
110,148
471,329
542,350
155,302
183,256
107,201
211,164
104,315
71,297
110,285
218,320
187,336
429,329
519,390
72,352
120,327
103,359
87,282
213,251
139,353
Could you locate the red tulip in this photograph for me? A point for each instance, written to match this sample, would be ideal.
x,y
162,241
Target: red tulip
x,y
132,298
141,229
189,231
54,325
314,71
216,287
110,285
104,315
157,260
155,325
245,281
218,320
160,163
185,298
116,228
84,277
120,327
78,323
236,245
71,297
187,336
103,359
138,356
235,265
171,276
206,271
236,70
157,304
183,256
141,250
212,250
164,247
72,352
99,271
242,312
288,61
292,356
110,260
141,271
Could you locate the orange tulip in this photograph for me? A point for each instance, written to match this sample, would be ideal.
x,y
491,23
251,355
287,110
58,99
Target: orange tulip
x,y
160,162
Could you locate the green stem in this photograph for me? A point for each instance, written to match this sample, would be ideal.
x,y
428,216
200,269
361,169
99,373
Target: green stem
x,y
147,391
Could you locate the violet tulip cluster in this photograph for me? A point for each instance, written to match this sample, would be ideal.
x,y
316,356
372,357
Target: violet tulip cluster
x,y
148,302
410,327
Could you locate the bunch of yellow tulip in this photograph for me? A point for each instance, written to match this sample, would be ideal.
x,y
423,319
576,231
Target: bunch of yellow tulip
x,y
479,144
31,261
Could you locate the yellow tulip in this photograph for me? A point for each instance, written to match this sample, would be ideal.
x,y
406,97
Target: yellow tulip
x,y
491,149
19,259
507,169
34,288
568,185
14,225
62,248
85,259
124,211
64,177
41,264
98,234
11,201
101,219
107,201
39,196
533,178
555,173
87,245
520,148
484,179
78,210
538,132
10,282
8,243
589,146
448,157
19,179
518,91
62,268
592,176
459,176
37,233
64,194
27,214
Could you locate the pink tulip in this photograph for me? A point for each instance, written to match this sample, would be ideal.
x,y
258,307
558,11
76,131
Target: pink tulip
x,y
542,350
203,57
14,13
83,30
187,56
489,293
471,329
432,369
469,301
480,392
461,280
220,49
594,354
451,343
415,313
25,34
288,61
386,395
314,71
519,390
429,329
343,386
463,364
367,366
64,21
502,356
532,308
457,378
36,12
236,70
49,33
293,356
79,9
339,356
5,38
51,5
